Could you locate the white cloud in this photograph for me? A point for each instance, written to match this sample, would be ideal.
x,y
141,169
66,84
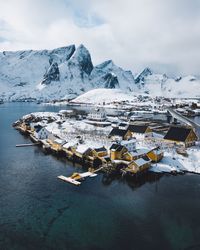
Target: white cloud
x,y
163,34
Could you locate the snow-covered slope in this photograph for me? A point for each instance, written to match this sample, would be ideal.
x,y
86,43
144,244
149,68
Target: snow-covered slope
x,y
68,72
100,96
54,74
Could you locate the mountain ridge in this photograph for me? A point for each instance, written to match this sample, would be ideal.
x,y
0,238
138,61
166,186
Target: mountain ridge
x,y
67,72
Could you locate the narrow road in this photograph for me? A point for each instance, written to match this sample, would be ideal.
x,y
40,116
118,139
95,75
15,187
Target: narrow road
x,y
185,120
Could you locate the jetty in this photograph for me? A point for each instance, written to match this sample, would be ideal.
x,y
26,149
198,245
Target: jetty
x,y
76,177
27,145
69,180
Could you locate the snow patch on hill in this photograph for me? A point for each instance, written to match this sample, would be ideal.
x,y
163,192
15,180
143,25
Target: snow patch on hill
x,y
100,96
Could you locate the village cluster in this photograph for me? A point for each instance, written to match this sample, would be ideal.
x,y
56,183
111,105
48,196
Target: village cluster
x,y
115,144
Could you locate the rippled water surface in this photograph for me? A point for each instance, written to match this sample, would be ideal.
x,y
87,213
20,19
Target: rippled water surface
x,y
37,211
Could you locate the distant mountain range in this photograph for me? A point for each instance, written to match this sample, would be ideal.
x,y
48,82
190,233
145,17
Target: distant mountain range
x,y
68,72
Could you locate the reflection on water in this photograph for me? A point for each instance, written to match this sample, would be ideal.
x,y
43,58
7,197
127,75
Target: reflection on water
x,y
37,211
132,181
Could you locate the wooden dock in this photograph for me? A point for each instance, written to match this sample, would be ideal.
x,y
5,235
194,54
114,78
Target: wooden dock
x,y
69,180
27,145
76,177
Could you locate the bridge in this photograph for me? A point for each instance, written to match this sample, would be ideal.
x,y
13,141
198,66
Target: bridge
x,y
185,120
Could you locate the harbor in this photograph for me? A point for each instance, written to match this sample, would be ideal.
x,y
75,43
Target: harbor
x,y
53,214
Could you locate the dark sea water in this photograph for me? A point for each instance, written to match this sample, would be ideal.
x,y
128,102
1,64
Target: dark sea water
x,y
37,211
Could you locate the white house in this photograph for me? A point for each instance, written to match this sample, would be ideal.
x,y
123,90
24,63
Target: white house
x,y
129,144
41,133
97,114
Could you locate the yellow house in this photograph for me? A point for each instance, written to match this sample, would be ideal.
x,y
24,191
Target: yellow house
x,y
100,152
69,148
117,151
24,127
181,135
134,155
142,164
82,150
56,144
155,155
138,165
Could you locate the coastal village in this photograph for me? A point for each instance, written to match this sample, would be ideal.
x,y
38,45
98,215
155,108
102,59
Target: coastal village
x,y
125,143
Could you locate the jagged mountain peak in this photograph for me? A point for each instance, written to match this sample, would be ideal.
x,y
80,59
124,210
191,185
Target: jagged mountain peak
x,y
145,72
108,63
141,76
82,58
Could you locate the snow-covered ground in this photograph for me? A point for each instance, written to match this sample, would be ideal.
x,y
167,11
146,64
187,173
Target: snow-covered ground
x,y
70,130
100,96
178,163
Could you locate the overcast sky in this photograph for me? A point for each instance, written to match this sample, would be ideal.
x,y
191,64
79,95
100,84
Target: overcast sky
x,y
162,34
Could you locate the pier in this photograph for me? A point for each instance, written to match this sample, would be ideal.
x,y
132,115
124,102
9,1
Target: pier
x,y
69,180
27,145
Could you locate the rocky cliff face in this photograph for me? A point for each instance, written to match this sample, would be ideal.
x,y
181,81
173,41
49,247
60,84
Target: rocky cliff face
x,y
53,74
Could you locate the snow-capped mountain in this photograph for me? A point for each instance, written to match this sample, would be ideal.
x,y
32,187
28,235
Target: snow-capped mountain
x,y
108,75
54,74
162,85
68,72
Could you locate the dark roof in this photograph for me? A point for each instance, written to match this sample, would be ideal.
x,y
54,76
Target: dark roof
x,y
177,134
38,128
123,124
117,131
107,158
138,128
116,147
100,149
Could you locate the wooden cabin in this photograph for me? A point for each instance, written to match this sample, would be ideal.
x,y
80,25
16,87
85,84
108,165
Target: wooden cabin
x,y
155,155
181,136
120,134
82,151
57,144
140,131
117,151
100,152
136,154
25,127
138,165
69,148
